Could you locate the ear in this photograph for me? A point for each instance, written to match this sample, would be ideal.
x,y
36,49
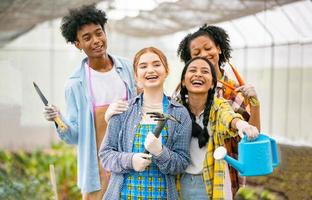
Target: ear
x,y
183,83
219,49
135,77
167,73
77,45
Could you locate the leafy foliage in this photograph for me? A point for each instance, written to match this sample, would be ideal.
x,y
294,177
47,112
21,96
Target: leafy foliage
x,y
26,175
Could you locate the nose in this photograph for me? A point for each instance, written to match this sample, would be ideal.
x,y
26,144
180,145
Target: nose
x,y
150,69
198,73
204,54
96,40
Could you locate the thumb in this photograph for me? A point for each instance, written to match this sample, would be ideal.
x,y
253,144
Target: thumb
x,y
144,155
240,133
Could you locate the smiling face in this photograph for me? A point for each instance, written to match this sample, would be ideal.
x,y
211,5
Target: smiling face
x,y
150,71
198,77
203,46
91,38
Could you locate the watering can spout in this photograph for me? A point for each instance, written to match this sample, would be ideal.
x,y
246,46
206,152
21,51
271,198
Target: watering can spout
x,y
220,153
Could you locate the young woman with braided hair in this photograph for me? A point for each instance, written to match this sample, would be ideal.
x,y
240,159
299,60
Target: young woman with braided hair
x,y
213,121
213,43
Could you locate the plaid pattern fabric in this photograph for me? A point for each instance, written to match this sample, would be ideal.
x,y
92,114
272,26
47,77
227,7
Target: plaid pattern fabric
x,y
116,149
151,183
221,115
240,106
237,101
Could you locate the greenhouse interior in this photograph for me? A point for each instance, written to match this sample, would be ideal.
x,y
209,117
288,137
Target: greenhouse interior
x,y
271,44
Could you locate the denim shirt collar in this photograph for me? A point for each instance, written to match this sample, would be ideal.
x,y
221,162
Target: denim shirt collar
x,y
139,99
80,72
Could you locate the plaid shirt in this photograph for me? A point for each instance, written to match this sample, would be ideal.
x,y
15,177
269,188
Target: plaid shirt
x,y
116,150
221,115
240,106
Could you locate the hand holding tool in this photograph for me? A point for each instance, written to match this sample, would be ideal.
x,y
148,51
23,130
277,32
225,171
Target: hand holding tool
x,y
161,121
140,161
57,119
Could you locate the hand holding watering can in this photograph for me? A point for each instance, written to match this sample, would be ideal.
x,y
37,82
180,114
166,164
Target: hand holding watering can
x,y
255,158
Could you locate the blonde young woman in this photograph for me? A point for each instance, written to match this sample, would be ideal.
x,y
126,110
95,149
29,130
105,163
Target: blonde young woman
x,y
134,174
213,121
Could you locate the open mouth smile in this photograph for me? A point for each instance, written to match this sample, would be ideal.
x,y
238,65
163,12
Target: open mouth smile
x,y
197,82
151,77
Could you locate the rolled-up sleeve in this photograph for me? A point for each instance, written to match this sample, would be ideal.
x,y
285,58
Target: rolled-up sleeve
x,y
70,136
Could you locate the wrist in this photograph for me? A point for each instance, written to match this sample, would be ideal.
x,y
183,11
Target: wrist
x,y
253,101
158,152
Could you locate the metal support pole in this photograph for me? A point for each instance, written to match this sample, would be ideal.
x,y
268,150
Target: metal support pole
x,y
300,36
245,71
272,72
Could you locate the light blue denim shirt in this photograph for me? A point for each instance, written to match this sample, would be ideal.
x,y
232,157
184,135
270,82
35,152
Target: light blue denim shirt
x,y
80,120
116,149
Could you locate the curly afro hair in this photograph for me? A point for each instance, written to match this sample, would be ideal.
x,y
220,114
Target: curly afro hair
x,y
216,34
77,18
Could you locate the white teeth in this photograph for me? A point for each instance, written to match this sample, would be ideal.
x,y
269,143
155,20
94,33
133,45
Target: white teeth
x,y
151,77
197,82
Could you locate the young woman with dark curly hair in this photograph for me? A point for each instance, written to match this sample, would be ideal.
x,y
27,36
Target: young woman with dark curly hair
x,y
101,79
213,43
213,122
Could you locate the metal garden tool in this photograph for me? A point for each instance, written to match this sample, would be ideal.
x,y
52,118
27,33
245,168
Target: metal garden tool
x,y
161,119
57,120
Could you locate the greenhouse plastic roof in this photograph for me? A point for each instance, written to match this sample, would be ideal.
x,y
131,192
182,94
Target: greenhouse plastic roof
x,y
20,16
181,15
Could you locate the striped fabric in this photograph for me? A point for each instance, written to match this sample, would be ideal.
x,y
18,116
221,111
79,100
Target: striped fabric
x,y
151,183
221,115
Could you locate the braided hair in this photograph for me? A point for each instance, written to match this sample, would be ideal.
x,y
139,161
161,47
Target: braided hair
x,y
197,131
216,34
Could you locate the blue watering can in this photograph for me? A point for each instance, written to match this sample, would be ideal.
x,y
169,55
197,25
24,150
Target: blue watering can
x,y
255,158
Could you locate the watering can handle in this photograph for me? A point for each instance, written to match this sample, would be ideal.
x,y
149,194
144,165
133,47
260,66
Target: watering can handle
x,y
274,152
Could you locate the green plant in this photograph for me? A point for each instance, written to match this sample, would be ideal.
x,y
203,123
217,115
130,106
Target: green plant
x,y
26,175
266,195
246,193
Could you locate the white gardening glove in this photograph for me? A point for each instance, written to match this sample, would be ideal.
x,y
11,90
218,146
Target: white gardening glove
x,y
51,112
140,161
243,127
247,91
153,144
115,108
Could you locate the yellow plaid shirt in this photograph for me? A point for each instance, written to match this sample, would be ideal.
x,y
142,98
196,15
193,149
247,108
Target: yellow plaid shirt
x,y
221,115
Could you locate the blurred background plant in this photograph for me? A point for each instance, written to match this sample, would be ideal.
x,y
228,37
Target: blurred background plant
x,y
26,175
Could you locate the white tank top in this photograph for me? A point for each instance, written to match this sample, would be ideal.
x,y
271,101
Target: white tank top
x,y
107,87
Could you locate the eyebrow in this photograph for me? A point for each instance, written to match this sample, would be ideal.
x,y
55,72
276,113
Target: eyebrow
x,y
87,34
155,61
196,66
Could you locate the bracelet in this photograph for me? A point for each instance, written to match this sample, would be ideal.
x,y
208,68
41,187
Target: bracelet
x,y
254,102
